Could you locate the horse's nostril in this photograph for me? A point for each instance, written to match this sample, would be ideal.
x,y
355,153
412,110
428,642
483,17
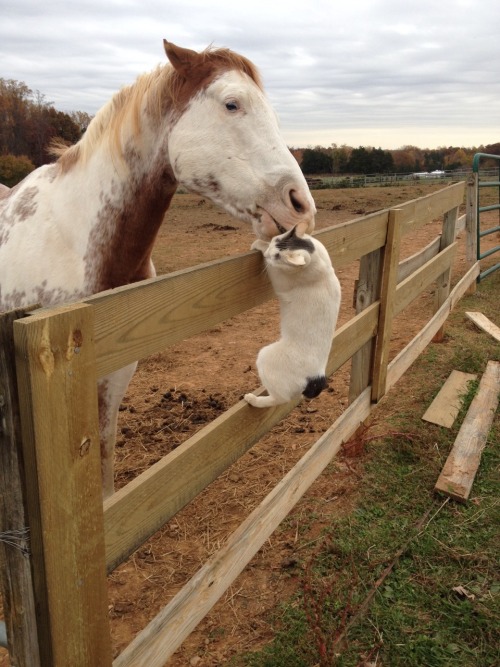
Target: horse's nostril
x,y
297,204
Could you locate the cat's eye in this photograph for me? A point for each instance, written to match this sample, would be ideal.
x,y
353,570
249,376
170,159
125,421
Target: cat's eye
x,y
232,106
277,255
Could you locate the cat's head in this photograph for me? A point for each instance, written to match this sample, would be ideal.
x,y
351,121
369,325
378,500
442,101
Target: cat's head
x,y
290,250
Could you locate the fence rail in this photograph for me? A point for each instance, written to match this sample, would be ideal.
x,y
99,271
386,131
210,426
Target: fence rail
x,y
482,233
59,354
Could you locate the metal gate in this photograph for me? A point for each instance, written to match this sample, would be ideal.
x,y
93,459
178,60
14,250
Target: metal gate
x,y
482,209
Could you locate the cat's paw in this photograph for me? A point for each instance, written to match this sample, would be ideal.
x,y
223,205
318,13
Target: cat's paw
x,y
252,399
261,401
259,244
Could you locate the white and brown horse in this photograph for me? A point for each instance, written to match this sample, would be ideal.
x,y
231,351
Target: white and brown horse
x,y
88,222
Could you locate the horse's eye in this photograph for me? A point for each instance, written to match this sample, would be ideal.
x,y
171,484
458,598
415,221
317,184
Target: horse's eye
x,y
232,105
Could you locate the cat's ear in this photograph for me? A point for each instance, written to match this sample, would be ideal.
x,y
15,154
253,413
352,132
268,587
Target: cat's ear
x,y
294,258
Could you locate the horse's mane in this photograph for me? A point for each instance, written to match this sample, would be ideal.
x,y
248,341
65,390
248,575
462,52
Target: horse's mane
x,y
162,87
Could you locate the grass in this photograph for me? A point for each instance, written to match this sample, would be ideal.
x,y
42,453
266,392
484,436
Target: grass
x,y
408,578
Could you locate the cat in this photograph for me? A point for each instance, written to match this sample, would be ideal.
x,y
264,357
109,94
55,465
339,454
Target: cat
x,y
308,291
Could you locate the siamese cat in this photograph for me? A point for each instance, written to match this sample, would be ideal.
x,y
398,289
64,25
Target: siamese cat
x,y
308,291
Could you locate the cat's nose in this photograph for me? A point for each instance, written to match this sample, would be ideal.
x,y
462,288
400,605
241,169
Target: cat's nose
x,y
302,203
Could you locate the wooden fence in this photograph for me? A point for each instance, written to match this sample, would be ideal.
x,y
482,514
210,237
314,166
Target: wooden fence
x,y
56,599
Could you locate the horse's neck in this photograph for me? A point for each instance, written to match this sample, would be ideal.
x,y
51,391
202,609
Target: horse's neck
x,y
124,223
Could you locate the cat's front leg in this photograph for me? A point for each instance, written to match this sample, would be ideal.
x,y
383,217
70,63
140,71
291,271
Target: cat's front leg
x,y
261,401
259,244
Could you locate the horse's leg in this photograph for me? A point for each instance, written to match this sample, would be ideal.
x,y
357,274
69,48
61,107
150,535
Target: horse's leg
x,y
111,390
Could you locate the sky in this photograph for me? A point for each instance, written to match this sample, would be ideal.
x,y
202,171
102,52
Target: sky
x,y
382,73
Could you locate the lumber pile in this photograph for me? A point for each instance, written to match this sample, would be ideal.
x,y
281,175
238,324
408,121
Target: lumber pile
x,y
458,473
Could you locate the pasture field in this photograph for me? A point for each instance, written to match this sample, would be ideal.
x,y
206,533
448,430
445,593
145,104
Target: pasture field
x,y
326,556
406,578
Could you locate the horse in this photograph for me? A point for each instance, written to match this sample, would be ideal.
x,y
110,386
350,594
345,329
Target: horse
x,y
87,222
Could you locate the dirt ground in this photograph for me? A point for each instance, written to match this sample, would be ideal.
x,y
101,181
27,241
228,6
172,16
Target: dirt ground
x,y
175,393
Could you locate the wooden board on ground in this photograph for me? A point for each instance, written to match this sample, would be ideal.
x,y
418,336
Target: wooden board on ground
x,y
445,407
485,324
460,468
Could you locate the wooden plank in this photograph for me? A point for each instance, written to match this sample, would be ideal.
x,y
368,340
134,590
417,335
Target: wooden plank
x,y
425,209
412,286
461,223
444,280
414,349
156,643
411,264
58,402
446,405
138,510
458,474
166,632
137,320
484,323
368,290
387,301
351,240
15,563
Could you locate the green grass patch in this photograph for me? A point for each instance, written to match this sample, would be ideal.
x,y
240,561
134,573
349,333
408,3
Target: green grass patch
x,y
408,578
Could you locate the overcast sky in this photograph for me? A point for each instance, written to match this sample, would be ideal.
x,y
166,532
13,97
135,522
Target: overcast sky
x,y
361,72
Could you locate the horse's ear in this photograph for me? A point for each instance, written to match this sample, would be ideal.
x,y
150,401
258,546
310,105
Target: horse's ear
x,y
182,60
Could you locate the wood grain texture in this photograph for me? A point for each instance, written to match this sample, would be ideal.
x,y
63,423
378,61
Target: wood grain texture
x,y
387,304
15,563
367,292
58,402
481,321
443,282
460,469
446,405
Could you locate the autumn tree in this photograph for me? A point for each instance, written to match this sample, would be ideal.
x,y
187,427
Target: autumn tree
x,y
13,169
316,161
29,124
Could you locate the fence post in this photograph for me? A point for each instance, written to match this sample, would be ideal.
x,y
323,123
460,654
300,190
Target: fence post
x,y
15,565
367,291
444,280
387,300
58,403
471,223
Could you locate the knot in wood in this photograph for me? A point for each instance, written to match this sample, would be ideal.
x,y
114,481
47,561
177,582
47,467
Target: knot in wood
x,y
85,446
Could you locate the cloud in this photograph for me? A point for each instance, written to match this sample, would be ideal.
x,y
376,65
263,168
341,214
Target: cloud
x,y
331,69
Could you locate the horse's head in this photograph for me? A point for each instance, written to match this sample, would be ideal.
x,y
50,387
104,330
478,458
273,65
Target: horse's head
x,y
225,144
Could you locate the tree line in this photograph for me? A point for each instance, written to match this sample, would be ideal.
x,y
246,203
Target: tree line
x,y
368,160
29,124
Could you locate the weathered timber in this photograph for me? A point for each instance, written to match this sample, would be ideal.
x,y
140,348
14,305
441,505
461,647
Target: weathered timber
x,y
460,469
368,291
15,564
485,324
58,404
444,280
446,405
386,313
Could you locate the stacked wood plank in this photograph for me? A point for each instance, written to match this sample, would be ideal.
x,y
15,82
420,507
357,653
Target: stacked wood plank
x,y
458,474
